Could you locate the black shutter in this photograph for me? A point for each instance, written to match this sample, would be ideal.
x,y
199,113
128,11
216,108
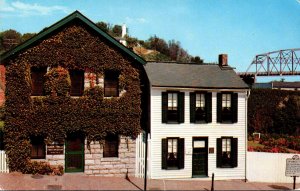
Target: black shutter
x,y
181,107
164,107
234,152
234,105
1,140
164,153
208,107
180,153
219,152
192,106
219,107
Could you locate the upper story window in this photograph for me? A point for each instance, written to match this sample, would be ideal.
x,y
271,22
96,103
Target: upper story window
x,y
227,107
227,149
172,153
38,148
37,80
77,82
111,84
172,107
200,107
111,146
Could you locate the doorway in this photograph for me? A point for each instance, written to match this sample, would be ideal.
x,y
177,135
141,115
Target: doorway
x,y
74,153
200,157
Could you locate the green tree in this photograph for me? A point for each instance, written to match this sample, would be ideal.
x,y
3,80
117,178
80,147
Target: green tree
x,y
27,36
117,31
103,26
9,39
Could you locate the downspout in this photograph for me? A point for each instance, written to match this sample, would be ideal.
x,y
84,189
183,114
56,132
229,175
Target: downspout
x,y
146,153
246,132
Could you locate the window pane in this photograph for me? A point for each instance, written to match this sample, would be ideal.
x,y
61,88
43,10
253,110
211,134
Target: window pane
x,y
228,144
77,82
111,147
170,146
175,145
111,84
202,100
37,79
37,148
175,100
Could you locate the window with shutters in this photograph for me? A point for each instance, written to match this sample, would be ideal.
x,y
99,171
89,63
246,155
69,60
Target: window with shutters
x,y
77,82
200,107
227,152
172,107
111,84
37,80
38,148
111,146
227,110
172,153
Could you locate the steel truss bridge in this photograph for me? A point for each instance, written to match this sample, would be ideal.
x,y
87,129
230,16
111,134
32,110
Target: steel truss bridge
x,y
276,63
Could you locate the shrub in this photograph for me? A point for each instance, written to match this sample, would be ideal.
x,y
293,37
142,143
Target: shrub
x,y
43,168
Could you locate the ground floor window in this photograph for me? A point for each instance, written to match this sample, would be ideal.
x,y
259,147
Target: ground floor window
x,y
172,153
111,146
227,152
38,148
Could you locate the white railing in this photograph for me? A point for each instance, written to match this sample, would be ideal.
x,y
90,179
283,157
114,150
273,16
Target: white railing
x,y
140,156
3,163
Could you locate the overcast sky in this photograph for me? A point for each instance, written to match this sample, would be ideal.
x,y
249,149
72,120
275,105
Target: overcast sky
x,y
206,28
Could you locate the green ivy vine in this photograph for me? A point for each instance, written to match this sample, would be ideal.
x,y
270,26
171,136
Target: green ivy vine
x,y
55,115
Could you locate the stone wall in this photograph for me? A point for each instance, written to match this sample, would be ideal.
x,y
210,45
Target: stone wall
x,y
96,165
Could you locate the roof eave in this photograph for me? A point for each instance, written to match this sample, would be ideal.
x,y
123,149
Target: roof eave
x,y
198,87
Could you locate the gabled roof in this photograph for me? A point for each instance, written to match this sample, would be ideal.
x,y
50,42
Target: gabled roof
x,y
63,22
193,76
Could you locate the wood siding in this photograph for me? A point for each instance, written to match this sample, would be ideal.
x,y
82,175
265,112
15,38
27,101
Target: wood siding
x,y
189,130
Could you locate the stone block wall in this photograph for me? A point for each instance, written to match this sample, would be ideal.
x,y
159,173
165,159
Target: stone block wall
x,y
96,164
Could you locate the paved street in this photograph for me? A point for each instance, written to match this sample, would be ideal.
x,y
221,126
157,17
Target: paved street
x,y
17,181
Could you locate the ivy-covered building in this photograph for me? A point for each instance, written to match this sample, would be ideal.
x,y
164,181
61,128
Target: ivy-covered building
x,y
76,98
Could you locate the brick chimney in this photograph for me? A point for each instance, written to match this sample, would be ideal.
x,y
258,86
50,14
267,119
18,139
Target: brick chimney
x,y
223,60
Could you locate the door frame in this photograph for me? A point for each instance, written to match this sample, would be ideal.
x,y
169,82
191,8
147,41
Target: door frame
x,y
79,135
206,154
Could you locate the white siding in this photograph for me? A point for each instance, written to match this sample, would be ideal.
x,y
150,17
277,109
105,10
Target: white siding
x,y
189,130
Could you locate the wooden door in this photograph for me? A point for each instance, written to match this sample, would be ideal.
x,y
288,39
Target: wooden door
x,y
74,155
200,155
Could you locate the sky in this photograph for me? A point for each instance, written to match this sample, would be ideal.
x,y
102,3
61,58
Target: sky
x,y
205,28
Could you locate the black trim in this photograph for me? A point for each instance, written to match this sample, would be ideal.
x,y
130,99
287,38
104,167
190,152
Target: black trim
x,y
192,107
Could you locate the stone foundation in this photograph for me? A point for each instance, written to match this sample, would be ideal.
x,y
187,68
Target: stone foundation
x,y
96,164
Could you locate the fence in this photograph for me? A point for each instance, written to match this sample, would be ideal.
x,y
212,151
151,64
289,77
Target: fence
x,y
267,167
140,156
3,163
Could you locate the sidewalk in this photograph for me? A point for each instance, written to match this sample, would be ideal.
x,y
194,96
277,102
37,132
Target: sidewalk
x,y
17,181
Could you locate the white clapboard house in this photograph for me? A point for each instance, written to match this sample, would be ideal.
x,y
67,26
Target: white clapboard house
x,y
198,121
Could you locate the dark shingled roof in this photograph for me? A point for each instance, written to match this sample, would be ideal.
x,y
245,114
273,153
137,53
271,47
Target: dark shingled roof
x,y
193,76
